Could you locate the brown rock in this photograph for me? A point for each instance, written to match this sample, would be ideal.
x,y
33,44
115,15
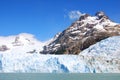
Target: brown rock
x,y
3,48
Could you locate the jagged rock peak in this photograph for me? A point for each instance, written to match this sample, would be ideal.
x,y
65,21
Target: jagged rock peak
x,y
101,14
84,16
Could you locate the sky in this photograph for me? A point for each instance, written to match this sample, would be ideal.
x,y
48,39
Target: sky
x,y
45,18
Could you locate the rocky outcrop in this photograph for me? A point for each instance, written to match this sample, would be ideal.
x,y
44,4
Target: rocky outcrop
x,y
3,48
21,41
101,14
83,17
83,33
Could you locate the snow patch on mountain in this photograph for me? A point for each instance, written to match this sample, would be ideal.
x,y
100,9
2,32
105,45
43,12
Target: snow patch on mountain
x,y
23,42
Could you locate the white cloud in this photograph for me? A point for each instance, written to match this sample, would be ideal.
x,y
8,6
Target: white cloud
x,y
75,14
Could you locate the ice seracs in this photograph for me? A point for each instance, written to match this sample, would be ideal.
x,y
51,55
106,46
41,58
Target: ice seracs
x,y
109,47
103,57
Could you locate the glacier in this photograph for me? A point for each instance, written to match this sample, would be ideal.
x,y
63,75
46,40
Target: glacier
x,y
109,47
102,57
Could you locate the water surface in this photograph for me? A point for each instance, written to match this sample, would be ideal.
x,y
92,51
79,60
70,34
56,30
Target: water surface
x,y
61,76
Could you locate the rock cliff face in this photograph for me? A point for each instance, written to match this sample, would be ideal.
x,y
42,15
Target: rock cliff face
x,y
83,33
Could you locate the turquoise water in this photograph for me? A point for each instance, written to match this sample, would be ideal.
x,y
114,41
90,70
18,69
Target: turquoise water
x,y
63,76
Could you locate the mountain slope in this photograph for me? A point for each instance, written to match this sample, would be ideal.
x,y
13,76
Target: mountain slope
x,y
102,57
82,33
20,43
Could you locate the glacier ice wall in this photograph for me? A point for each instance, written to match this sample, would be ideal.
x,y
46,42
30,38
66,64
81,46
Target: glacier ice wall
x,y
102,57
109,47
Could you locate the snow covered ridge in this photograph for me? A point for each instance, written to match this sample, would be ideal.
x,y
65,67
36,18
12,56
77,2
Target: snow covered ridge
x,y
83,33
103,57
23,42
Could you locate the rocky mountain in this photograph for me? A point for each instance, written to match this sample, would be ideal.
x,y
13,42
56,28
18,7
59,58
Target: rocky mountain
x,y
83,33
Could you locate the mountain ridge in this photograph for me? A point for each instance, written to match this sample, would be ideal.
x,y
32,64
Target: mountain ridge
x,y
22,42
82,33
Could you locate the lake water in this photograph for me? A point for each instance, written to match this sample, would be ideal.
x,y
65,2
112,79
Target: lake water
x,y
62,76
